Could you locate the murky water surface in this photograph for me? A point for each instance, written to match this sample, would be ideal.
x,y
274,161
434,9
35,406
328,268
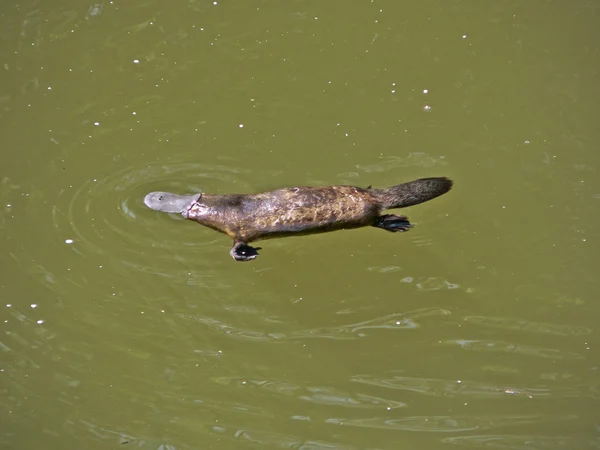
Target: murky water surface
x,y
126,328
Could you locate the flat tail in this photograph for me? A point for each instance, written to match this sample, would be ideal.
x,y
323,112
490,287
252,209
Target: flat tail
x,y
412,193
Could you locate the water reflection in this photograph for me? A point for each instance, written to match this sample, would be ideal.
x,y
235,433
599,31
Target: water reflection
x,y
396,161
445,388
514,348
450,424
102,212
521,442
396,321
512,323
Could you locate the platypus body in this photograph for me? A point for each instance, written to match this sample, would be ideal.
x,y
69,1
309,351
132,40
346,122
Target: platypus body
x,y
298,210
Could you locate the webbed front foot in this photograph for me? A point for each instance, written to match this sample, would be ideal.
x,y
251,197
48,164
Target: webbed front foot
x,y
243,252
393,223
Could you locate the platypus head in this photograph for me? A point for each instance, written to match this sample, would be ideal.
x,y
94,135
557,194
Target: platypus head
x,y
171,203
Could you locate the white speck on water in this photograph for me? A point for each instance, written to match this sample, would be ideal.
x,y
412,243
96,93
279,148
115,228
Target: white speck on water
x,y
8,305
527,142
425,91
215,3
33,305
464,36
39,322
97,124
459,381
426,108
134,113
68,241
49,88
241,125
136,61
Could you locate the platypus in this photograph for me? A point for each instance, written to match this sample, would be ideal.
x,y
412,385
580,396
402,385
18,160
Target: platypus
x,y
298,210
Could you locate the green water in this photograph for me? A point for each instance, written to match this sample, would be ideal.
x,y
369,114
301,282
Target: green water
x,y
126,328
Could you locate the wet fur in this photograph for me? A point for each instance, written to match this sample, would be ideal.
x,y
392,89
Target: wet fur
x,y
307,210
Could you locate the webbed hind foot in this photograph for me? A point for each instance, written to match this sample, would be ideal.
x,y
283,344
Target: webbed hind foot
x,y
393,223
243,252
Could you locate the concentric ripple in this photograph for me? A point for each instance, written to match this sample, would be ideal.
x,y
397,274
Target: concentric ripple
x,y
105,218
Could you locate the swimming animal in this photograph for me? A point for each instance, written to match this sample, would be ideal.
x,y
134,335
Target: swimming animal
x,y
298,210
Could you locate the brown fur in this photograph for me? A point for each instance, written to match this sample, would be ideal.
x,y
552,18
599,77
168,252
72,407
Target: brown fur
x,y
307,210
300,210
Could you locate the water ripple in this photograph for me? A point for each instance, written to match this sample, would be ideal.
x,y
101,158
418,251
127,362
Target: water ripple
x,y
513,348
510,323
522,442
105,218
417,159
444,388
446,424
396,321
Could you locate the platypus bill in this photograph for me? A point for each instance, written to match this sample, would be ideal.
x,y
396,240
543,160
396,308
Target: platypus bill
x,y
298,210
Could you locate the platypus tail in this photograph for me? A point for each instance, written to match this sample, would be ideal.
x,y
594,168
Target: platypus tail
x,y
412,193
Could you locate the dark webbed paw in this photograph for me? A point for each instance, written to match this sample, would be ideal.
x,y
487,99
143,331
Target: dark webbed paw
x,y
243,252
393,223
